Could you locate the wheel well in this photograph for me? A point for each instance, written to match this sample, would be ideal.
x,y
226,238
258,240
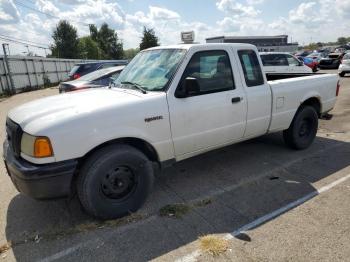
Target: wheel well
x,y
315,103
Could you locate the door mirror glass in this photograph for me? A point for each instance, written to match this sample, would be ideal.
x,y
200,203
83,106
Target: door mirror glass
x,y
189,87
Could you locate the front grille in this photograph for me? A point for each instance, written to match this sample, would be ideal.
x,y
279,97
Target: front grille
x,y
14,136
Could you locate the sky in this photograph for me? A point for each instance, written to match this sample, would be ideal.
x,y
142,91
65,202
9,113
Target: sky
x,y
304,21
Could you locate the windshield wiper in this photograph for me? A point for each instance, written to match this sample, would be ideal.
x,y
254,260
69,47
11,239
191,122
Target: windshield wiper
x,y
138,86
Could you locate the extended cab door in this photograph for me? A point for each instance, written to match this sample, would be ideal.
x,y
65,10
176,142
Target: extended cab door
x,y
213,115
258,93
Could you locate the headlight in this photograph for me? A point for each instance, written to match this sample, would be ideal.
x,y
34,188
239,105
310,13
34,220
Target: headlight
x,y
36,146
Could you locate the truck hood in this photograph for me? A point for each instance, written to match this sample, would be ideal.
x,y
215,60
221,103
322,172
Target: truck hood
x,y
58,108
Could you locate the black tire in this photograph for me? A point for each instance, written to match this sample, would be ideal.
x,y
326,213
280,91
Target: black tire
x,y
314,69
303,128
342,74
115,181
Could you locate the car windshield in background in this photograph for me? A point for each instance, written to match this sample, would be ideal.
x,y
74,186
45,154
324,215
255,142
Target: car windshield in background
x,y
151,69
74,69
96,74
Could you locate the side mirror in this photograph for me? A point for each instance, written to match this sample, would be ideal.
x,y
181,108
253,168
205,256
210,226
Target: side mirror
x,y
188,87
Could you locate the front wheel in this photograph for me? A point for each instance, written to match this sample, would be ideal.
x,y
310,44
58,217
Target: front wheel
x,y
303,128
115,181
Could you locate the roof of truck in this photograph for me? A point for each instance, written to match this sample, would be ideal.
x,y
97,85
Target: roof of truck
x,y
218,45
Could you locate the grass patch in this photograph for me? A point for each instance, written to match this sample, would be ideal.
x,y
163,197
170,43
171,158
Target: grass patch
x,y
180,209
213,245
5,247
175,210
58,233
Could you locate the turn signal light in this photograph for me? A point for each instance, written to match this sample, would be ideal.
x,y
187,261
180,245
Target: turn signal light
x,y
42,147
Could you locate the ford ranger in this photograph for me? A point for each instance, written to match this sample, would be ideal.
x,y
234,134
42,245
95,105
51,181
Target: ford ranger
x,y
169,103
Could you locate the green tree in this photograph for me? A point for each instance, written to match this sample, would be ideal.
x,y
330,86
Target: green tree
x,y
65,41
88,48
131,53
342,40
149,39
108,42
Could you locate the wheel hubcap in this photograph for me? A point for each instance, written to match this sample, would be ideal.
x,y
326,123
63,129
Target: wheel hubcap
x,y
118,183
305,128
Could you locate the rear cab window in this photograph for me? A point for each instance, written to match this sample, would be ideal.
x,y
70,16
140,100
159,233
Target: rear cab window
x,y
251,68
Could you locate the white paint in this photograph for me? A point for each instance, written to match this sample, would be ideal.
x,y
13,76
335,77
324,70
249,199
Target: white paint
x,y
192,256
62,253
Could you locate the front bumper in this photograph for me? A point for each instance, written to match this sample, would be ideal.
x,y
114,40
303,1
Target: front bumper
x,y
46,181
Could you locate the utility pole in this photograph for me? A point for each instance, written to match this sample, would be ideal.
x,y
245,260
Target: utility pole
x,y
10,84
27,49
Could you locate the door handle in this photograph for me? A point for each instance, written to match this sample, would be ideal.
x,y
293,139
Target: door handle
x,y
236,99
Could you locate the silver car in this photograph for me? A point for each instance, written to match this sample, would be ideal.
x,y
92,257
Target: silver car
x,y
344,67
94,79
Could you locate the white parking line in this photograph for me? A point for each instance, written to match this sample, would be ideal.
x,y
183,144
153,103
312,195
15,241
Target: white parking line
x,y
192,256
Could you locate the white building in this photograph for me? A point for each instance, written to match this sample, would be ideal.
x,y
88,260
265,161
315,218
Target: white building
x,y
278,43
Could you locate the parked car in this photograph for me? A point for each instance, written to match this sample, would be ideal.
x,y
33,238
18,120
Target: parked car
x,y
80,69
317,56
168,104
332,61
310,62
344,67
99,78
283,63
303,53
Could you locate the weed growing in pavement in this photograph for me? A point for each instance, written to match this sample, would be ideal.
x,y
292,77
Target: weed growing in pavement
x,y
213,245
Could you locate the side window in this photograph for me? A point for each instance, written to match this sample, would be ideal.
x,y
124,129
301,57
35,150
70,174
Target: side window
x,y
212,71
292,61
251,68
274,60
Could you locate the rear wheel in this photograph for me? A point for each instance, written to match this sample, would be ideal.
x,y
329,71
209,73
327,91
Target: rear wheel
x,y
303,128
115,181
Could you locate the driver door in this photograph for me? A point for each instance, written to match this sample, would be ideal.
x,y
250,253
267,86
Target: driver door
x,y
213,116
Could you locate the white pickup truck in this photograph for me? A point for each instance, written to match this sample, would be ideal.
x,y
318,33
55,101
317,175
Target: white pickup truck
x,y
170,103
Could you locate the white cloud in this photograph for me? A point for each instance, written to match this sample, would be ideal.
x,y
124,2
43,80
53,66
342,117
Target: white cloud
x,y
8,12
255,2
236,9
47,7
323,20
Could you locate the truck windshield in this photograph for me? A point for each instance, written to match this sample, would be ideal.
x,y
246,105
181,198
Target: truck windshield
x,y
151,69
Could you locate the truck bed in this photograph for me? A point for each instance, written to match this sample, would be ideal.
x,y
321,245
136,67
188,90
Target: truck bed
x,y
288,93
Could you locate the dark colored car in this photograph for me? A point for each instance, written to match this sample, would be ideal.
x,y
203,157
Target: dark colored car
x,y
80,69
99,78
332,61
303,53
